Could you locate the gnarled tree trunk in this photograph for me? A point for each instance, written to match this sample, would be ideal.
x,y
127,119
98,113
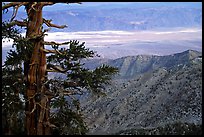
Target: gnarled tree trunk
x,y
37,110
37,106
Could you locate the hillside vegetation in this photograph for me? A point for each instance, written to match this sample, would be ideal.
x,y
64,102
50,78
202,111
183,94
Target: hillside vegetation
x,y
157,95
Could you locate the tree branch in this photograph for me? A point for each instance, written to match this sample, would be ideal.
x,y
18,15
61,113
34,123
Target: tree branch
x,y
69,92
47,3
71,84
49,24
54,43
12,4
15,5
52,3
15,10
36,36
56,68
48,51
49,124
18,23
51,70
65,92
32,6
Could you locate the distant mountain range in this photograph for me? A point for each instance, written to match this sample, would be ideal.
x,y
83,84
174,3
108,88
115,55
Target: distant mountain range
x,y
131,66
151,93
130,17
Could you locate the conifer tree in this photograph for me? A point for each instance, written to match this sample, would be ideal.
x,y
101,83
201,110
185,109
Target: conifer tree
x,y
51,105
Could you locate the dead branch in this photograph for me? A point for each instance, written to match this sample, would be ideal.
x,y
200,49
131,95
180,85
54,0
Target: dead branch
x,y
34,108
15,5
49,24
47,50
50,94
56,68
18,23
32,7
68,93
42,104
71,83
52,3
63,92
49,124
12,4
51,70
34,4
15,10
46,30
47,3
55,43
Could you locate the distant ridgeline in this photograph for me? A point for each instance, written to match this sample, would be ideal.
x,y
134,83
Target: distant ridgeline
x,y
131,66
132,17
151,95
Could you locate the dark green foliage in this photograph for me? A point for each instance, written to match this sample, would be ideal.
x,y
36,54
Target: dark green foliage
x,y
69,60
71,54
23,48
9,32
100,76
181,129
65,107
12,100
12,88
67,117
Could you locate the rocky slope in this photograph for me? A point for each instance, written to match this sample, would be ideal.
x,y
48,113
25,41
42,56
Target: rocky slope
x,y
164,94
131,66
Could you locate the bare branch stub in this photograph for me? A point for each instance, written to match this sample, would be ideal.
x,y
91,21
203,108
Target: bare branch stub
x,y
49,24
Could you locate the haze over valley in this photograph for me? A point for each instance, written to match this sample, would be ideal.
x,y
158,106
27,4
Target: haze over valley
x,y
116,44
126,29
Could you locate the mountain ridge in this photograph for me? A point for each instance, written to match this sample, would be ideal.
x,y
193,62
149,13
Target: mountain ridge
x,y
130,66
151,99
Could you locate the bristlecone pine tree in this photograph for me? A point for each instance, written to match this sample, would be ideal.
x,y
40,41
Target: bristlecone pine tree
x,y
50,105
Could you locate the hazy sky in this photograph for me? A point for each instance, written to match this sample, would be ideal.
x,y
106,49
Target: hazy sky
x,y
60,6
98,4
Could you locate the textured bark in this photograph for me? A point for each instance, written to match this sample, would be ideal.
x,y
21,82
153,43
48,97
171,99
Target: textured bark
x,y
37,106
36,115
